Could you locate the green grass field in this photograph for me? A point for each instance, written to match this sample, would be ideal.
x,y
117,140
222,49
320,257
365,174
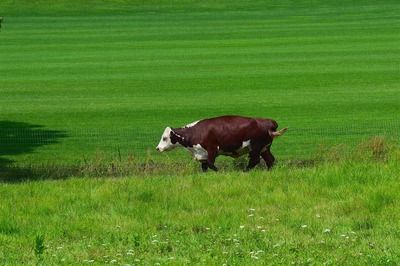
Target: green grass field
x,y
87,87
345,214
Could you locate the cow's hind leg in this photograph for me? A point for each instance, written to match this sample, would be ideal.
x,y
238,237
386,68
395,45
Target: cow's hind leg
x,y
254,159
268,157
204,166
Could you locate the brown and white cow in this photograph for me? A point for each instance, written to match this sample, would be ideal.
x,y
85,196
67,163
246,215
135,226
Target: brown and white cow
x,y
225,135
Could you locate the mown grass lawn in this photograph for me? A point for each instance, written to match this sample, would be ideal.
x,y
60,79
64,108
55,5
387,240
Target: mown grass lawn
x,y
111,77
339,214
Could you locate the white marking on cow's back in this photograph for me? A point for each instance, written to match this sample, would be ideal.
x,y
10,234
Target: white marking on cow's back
x,y
192,124
198,152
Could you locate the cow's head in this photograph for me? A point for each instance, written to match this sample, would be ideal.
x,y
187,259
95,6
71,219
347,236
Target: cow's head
x,y
168,140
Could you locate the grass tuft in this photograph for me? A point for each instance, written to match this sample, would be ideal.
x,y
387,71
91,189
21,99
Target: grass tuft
x,y
7,226
39,246
376,148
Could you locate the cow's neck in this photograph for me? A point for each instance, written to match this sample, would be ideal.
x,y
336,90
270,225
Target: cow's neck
x,y
182,137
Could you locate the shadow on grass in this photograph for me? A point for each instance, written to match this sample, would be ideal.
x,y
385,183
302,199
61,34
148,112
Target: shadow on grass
x,y
18,138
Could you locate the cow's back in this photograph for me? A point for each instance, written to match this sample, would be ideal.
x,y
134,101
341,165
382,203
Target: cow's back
x,y
229,132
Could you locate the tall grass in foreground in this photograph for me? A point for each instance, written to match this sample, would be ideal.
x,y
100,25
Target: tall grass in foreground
x,y
332,213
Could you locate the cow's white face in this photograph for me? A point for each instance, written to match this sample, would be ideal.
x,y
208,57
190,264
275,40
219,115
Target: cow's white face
x,y
165,142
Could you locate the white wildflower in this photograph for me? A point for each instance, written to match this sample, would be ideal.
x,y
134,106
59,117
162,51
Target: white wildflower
x,y
327,230
304,226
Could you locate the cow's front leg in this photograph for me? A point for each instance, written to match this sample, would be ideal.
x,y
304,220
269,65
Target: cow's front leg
x,y
204,165
211,155
268,157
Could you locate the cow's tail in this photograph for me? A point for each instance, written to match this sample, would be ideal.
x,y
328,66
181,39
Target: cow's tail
x,y
278,133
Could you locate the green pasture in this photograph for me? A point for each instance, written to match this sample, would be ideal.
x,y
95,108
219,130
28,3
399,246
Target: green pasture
x,y
333,214
75,80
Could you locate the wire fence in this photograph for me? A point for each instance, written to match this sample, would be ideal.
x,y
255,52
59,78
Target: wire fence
x,y
33,143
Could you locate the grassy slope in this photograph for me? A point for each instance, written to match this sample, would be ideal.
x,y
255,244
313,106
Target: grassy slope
x,y
108,79
334,214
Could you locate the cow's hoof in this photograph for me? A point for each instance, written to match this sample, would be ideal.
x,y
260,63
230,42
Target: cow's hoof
x,y
212,167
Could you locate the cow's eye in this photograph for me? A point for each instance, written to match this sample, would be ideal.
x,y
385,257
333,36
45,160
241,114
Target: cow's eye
x,y
164,139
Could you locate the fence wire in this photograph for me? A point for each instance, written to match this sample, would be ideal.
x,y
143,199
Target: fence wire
x,y
32,144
